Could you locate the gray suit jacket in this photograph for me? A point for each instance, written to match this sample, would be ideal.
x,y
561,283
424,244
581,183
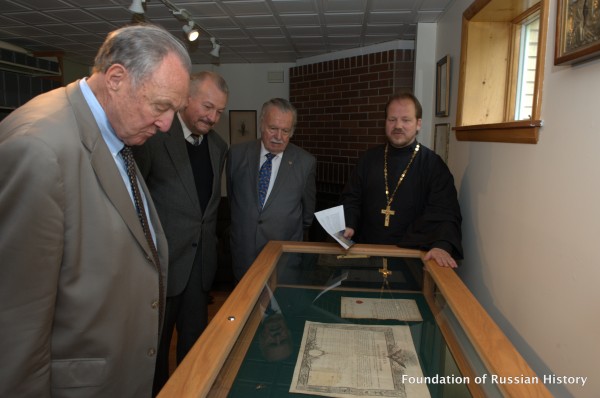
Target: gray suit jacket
x,y
288,210
79,294
164,162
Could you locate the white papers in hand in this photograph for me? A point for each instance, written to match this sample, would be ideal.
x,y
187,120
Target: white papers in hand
x,y
333,222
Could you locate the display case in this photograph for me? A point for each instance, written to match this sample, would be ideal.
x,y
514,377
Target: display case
x,y
263,340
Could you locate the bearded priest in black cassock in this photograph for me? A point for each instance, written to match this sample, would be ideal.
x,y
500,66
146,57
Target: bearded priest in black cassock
x,y
403,193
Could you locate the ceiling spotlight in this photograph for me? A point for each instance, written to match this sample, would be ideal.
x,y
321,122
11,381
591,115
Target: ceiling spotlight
x,y
137,7
216,47
191,31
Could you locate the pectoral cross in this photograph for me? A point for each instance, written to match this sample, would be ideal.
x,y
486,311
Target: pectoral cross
x,y
388,212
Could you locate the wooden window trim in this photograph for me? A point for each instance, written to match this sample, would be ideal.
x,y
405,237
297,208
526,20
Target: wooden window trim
x,y
522,131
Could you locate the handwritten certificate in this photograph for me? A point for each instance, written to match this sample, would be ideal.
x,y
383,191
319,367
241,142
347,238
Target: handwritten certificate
x,y
344,360
375,308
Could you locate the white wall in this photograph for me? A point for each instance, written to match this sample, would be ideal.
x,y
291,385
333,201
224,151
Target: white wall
x,y
531,220
425,67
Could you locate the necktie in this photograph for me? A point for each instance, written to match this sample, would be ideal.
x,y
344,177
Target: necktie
x,y
264,176
127,155
195,140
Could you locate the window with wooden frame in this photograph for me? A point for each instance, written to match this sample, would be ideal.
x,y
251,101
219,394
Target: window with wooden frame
x,y
501,71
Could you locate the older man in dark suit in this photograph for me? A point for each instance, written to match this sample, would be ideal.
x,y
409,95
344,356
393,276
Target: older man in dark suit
x,y
83,255
183,171
270,185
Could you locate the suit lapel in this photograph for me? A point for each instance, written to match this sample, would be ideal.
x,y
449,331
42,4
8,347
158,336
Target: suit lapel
x,y
176,147
104,165
254,165
215,161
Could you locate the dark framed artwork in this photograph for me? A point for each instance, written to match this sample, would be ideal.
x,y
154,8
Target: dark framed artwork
x,y
242,126
577,31
441,140
442,86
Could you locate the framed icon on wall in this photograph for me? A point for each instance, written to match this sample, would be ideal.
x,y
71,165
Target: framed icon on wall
x,y
242,126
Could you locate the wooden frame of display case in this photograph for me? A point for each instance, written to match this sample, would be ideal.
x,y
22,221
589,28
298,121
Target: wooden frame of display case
x,y
220,350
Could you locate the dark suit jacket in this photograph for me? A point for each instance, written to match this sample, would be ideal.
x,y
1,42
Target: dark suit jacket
x,y
164,162
288,210
79,292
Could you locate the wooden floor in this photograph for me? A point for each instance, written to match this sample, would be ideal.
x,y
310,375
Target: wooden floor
x,y
219,294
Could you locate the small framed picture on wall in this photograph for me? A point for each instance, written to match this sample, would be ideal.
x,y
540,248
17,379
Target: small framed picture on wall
x,y
242,126
442,87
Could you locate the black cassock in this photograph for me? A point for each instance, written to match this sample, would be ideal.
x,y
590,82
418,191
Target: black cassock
x,y
427,213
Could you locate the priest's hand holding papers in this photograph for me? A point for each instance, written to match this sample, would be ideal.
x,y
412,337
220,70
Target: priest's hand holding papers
x,y
333,222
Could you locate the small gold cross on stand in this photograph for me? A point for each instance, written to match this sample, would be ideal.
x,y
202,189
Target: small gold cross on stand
x,y
385,272
388,212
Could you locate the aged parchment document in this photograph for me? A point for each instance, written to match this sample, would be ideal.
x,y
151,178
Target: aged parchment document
x,y
345,360
376,308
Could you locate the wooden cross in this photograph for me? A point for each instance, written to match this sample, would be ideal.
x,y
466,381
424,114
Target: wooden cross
x,y
388,212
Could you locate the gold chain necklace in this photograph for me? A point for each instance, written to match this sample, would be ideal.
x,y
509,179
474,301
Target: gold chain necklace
x,y
387,211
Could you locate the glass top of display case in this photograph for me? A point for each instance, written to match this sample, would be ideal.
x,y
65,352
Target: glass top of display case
x,y
312,319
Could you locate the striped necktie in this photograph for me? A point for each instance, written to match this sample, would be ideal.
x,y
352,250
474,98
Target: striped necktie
x,y
127,155
195,140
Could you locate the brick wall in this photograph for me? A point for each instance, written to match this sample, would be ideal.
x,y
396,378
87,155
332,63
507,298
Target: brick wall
x,y
341,111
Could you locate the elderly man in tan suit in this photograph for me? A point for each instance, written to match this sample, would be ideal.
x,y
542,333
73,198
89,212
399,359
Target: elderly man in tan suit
x,y
82,254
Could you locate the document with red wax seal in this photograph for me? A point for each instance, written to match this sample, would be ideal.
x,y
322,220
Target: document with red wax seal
x,y
379,308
